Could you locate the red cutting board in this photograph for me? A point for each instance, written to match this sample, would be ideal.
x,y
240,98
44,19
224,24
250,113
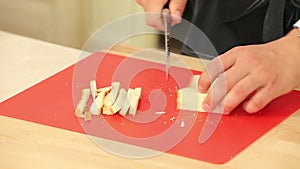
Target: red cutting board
x,y
52,102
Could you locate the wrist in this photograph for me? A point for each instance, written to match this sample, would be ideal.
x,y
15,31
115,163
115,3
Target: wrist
x,y
297,26
287,49
291,41
294,34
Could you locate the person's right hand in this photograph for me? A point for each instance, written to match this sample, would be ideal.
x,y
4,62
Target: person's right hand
x,y
153,9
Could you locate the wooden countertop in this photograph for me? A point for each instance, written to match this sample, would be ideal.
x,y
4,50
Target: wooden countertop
x,y
25,62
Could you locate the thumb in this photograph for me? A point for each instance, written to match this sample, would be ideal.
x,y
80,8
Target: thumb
x,y
177,8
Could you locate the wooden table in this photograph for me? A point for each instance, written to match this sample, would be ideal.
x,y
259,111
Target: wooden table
x,y
24,62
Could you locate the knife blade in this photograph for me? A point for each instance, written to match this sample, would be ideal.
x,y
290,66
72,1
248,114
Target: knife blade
x,y
167,24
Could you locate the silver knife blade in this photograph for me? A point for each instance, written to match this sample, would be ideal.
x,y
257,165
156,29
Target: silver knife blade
x,y
167,24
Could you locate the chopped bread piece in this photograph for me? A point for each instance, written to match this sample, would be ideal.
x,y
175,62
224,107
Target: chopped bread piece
x,y
190,99
87,114
135,101
119,101
182,124
111,97
104,89
107,89
107,111
93,87
126,104
108,101
94,109
107,105
100,98
79,112
115,88
100,101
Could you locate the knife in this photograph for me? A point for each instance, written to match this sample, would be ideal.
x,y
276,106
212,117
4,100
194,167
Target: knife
x,y
167,24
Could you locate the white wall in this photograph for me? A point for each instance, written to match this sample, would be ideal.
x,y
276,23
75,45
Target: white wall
x,y
68,22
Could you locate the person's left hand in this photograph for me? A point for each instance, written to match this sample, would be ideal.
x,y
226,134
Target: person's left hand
x,y
255,73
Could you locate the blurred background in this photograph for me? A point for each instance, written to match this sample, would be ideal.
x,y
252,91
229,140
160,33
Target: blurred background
x,y
68,22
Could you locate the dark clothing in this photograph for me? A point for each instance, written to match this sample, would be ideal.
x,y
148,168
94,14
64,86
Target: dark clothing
x,y
229,23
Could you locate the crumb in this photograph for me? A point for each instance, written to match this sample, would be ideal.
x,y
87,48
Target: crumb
x,y
182,124
172,119
160,112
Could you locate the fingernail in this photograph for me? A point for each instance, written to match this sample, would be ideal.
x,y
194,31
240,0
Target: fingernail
x,y
200,88
177,16
245,105
226,112
206,107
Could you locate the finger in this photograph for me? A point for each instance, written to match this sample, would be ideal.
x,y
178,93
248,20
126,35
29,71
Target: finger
x,y
215,67
261,98
153,11
264,96
242,90
155,20
140,2
235,74
215,94
177,8
224,84
212,70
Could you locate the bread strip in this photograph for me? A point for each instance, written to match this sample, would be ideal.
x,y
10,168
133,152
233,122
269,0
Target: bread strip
x,y
99,101
111,97
79,112
119,101
94,109
115,88
87,114
104,89
93,87
190,99
107,111
126,104
108,101
135,101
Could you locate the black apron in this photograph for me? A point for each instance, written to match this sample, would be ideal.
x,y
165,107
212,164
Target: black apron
x,y
230,23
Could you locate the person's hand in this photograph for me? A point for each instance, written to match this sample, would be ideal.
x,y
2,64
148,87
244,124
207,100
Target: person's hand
x,y
256,73
153,9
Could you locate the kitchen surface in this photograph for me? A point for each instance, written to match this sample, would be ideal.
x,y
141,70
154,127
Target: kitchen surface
x,y
44,68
